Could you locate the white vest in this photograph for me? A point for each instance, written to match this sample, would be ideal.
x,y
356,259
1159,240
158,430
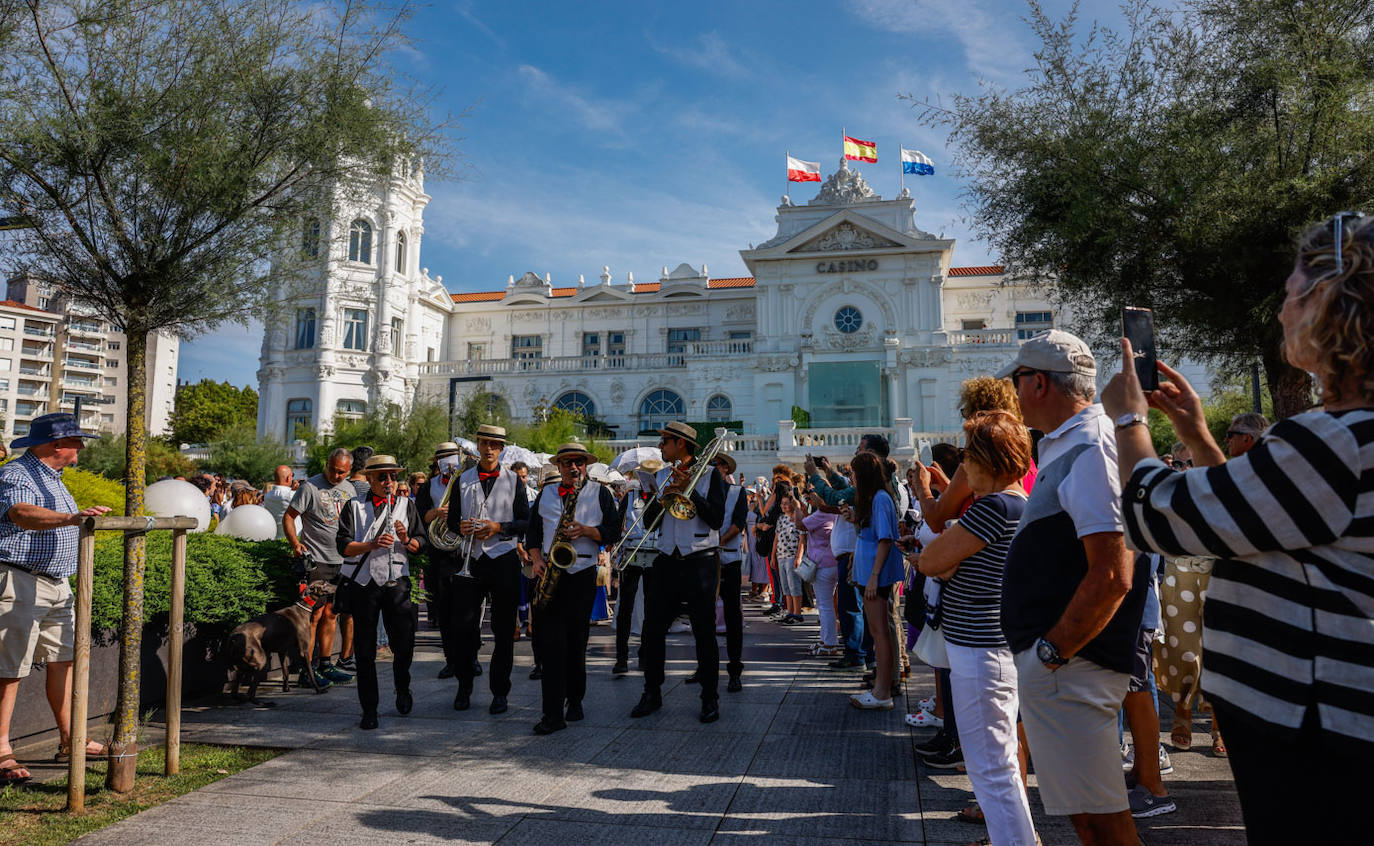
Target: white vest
x,y
499,505
587,512
730,551
380,565
436,491
685,537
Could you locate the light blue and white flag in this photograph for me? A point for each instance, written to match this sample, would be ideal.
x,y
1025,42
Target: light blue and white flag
x,y
916,162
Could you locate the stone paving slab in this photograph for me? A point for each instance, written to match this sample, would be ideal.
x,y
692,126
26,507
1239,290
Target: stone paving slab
x,y
789,760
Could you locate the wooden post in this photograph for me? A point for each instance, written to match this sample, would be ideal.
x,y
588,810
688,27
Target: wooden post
x,y
176,620
81,667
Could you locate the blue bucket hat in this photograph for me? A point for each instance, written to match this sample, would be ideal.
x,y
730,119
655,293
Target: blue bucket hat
x,y
49,428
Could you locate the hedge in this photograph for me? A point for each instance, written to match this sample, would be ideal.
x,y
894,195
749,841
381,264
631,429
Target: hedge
x,y
89,489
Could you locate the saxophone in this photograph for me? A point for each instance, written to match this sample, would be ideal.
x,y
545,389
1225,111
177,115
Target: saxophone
x,y
562,554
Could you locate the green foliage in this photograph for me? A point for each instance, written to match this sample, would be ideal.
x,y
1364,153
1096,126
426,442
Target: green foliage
x,y
89,489
801,417
227,580
238,453
1172,165
105,455
1219,409
410,435
204,410
558,427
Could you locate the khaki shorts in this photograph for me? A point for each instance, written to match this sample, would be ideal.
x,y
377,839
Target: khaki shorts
x,y
1070,721
37,621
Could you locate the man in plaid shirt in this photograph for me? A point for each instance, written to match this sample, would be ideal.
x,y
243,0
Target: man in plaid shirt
x,y
38,539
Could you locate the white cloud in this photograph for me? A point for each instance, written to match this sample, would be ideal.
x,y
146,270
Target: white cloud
x,y
710,53
993,42
598,115
464,10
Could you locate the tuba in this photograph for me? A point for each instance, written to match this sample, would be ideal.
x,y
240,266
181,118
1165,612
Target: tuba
x,y
679,504
440,535
562,554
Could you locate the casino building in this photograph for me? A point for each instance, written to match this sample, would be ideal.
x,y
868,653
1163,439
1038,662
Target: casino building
x,y
852,313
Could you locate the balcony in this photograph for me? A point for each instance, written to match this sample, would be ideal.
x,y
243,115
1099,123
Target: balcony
x,y
82,345
30,370
39,331
78,382
40,353
29,409
85,329
982,337
32,391
82,363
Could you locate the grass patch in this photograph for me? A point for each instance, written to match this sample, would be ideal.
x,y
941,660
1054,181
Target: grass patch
x,y
32,814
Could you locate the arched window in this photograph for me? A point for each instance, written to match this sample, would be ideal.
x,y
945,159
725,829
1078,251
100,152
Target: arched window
x,y
360,241
400,252
719,409
298,414
660,407
310,238
351,409
578,403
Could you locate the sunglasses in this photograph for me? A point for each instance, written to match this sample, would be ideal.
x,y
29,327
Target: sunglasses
x,y
579,462
1016,377
384,474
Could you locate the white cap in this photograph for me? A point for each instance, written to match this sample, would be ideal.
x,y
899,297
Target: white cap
x,y
1053,351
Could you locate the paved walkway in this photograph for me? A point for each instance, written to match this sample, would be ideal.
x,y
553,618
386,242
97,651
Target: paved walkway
x,y
789,759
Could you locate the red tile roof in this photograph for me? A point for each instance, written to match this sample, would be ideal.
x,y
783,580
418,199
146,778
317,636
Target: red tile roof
x,y
978,270
647,287
17,304
733,282
479,297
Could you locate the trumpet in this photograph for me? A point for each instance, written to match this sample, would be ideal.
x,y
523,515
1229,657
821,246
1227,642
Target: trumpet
x,y
469,541
651,465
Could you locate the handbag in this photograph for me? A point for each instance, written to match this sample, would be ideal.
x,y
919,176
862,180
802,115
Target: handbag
x,y
930,648
807,569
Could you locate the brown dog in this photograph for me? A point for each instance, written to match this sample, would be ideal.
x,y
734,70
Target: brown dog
x,y
285,633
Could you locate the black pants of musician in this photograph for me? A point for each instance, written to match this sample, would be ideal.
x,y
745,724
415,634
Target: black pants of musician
x,y
630,579
734,617
442,573
392,604
499,579
677,579
560,633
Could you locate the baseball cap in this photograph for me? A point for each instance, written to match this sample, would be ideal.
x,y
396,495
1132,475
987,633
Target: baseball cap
x,y
1054,351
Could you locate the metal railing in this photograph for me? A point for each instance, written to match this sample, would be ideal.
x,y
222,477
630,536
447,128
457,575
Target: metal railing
x,y
982,337
574,363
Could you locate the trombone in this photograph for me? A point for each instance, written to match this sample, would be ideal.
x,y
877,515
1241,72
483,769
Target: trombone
x,y
679,504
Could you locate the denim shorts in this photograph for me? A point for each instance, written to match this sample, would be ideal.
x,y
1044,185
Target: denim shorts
x,y
790,578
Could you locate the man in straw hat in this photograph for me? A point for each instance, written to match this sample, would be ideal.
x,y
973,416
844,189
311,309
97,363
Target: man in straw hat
x,y
687,569
443,564
639,546
493,510
561,630
377,534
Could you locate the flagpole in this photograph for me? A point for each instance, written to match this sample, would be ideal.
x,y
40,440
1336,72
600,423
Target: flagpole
x,y
901,163
844,133
788,161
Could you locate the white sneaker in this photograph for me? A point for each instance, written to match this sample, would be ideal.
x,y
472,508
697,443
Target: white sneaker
x,y
868,702
927,705
924,719
678,626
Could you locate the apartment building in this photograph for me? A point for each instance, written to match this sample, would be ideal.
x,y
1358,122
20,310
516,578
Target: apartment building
x,y
54,351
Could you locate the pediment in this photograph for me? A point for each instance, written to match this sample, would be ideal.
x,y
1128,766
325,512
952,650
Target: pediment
x,y
607,297
524,299
846,236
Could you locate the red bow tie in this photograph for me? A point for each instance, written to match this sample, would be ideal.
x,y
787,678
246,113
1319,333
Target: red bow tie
x,y
483,475
378,501
564,490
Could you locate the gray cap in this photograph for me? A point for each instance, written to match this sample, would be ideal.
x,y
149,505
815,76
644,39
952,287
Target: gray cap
x,y
1054,351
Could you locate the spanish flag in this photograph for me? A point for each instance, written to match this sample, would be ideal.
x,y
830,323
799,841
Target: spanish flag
x,y
860,151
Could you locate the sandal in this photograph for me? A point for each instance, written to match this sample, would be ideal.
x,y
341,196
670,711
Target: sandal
x,y
9,771
972,814
64,756
927,705
1218,747
1181,736
922,719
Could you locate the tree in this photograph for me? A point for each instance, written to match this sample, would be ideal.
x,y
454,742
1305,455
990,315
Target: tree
x,y
238,453
207,408
1172,166
161,153
106,455
409,434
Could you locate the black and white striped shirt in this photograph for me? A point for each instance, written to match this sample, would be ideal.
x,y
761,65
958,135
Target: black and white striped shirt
x,y
1289,620
972,598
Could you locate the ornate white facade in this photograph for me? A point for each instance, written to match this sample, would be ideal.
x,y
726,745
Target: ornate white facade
x,y
853,313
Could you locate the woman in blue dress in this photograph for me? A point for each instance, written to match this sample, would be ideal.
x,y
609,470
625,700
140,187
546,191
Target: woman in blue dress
x,y
877,568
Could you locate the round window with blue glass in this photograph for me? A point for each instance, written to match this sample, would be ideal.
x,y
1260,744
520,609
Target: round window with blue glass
x,y
849,320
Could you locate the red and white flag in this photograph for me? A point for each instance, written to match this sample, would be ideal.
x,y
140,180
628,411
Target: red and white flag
x,y
800,171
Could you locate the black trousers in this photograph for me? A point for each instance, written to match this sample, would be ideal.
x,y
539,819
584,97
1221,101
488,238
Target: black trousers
x,y
678,579
499,580
392,604
443,572
1280,773
734,617
560,633
630,578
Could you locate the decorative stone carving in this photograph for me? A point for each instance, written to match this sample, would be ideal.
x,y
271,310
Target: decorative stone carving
x,y
837,340
777,363
973,300
324,371
606,313
686,308
526,315
929,357
846,236
530,280
646,311
847,286
477,324
744,311
531,392
843,188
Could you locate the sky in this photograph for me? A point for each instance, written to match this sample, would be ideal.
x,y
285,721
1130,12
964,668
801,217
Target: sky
x,y
637,135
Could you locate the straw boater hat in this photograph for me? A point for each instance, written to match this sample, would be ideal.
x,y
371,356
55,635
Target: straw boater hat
x,y
446,449
677,429
572,449
380,462
491,433
730,464
548,474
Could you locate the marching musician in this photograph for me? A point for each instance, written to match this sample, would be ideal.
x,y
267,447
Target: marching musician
x,y
560,633
493,510
443,564
378,531
731,560
632,572
687,569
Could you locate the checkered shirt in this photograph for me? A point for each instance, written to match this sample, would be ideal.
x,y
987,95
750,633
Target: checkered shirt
x,y
51,552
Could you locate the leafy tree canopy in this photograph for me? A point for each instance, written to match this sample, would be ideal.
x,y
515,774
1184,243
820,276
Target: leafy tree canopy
x,y
1171,165
207,408
239,454
105,455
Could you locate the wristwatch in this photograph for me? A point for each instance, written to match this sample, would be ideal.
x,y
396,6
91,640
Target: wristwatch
x,y
1048,654
1133,418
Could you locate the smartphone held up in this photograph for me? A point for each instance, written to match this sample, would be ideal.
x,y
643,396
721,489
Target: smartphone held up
x,y
1138,327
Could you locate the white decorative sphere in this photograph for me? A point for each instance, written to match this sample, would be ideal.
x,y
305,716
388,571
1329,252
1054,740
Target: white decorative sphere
x,y
175,498
248,522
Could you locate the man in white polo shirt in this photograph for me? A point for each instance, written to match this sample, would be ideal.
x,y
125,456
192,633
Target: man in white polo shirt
x,y
1071,596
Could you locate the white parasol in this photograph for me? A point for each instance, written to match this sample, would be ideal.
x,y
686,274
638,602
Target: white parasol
x,y
468,446
513,453
632,458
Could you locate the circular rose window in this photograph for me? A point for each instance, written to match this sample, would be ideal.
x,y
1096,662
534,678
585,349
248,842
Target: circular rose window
x,y
848,320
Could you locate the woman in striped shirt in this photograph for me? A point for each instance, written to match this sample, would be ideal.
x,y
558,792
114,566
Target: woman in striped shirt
x,y
1289,620
970,556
